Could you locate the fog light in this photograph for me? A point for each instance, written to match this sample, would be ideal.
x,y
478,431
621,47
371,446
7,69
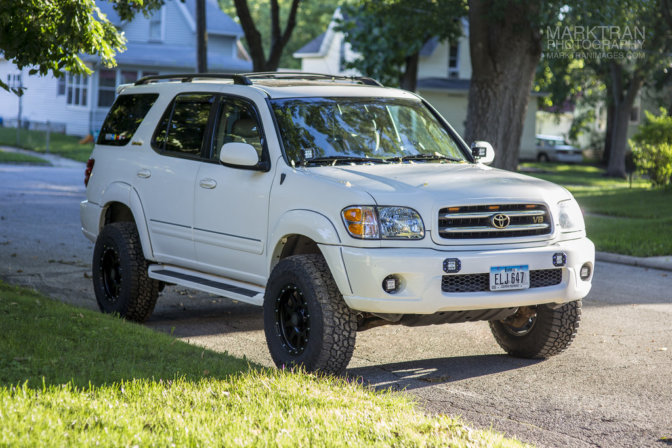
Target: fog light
x,y
559,259
585,272
391,284
452,265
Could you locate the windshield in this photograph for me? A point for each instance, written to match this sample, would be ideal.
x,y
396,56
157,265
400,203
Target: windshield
x,y
375,130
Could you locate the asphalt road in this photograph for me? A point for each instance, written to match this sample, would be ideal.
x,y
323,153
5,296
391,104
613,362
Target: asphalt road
x,y
612,388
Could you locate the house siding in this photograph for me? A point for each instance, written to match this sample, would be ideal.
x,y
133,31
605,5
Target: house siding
x,y
41,103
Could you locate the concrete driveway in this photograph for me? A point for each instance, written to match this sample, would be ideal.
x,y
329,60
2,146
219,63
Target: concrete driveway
x,y
612,388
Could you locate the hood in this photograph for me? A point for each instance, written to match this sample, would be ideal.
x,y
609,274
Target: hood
x,y
430,186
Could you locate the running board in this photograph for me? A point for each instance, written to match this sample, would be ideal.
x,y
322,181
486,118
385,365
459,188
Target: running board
x,y
232,289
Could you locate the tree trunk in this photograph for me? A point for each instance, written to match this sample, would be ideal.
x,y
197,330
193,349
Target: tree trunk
x,y
409,79
201,38
504,55
279,38
610,128
624,97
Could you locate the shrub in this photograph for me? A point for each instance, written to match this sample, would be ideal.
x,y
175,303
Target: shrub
x,y
656,161
652,148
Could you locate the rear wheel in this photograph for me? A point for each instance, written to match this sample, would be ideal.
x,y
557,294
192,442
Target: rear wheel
x,y
542,158
120,278
306,321
538,332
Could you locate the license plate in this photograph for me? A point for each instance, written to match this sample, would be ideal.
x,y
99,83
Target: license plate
x,y
509,277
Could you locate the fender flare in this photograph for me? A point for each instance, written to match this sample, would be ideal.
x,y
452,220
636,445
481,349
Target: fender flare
x,y
321,230
125,194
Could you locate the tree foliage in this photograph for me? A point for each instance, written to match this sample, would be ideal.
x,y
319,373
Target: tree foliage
x,y
312,18
388,35
49,36
636,54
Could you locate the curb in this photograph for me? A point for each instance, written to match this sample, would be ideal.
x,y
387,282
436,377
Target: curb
x,y
663,263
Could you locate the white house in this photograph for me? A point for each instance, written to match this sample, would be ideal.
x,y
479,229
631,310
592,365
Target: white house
x,y
444,74
162,43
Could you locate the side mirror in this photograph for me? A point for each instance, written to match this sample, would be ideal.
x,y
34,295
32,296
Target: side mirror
x,y
483,152
238,154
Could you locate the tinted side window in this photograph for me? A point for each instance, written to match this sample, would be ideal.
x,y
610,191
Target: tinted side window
x,y
124,118
182,128
236,122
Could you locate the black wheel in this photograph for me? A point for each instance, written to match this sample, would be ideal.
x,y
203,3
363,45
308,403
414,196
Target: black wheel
x,y
538,332
306,321
542,158
120,278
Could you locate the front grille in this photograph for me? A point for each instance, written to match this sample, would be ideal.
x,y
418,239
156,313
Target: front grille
x,y
481,282
478,221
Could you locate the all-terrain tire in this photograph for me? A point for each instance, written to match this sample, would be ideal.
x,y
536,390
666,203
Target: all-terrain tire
x,y
120,278
306,321
547,333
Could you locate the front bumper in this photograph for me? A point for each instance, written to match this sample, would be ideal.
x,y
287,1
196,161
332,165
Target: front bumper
x,y
421,271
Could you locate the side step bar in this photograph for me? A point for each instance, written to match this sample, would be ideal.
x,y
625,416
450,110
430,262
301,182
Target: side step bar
x,y
232,289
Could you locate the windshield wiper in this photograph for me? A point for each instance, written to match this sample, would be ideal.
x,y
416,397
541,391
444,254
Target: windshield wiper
x,y
425,157
333,160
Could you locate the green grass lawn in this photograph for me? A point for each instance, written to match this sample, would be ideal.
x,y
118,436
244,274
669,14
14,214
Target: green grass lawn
x,y
14,157
73,377
60,144
631,221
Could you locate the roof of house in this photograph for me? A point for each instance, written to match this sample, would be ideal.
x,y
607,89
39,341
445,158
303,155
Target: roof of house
x,y
444,84
311,47
217,22
182,58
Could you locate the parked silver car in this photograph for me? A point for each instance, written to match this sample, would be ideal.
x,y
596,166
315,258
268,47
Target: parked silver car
x,y
553,148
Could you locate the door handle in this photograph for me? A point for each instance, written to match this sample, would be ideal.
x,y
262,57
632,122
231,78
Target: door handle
x,y
208,183
144,174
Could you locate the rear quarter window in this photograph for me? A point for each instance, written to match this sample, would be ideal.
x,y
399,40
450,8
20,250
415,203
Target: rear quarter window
x,y
124,118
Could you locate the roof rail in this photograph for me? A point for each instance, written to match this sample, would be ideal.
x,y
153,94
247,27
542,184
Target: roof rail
x,y
246,78
311,76
189,77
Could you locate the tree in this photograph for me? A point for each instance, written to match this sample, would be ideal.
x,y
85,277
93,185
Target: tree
x,y
50,36
278,37
631,45
312,18
505,40
373,29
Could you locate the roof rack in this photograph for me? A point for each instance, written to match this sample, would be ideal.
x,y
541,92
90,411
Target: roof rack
x,y
311,77
247,78
189,77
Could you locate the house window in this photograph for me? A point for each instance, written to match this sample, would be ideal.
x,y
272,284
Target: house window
x,y
14,81
454,61
76,89
107,85
129,76
156,26
61,86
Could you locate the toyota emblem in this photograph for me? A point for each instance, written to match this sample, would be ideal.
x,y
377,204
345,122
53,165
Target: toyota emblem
x,y
500,221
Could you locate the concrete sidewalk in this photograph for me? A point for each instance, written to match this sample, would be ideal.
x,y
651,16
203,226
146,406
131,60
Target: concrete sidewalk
x,y
664,262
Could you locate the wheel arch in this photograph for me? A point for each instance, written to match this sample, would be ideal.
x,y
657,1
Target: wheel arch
x,y
122,204
300,232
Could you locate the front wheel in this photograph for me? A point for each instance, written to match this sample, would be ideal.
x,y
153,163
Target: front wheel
x,y
538,332
306,321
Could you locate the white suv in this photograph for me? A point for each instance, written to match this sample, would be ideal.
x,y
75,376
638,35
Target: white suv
x,y
336,204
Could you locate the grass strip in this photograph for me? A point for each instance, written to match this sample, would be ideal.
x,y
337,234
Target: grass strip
x,y
60,144
73,377
18,158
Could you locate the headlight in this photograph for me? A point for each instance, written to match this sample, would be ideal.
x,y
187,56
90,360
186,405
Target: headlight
x,y
388,223
570,217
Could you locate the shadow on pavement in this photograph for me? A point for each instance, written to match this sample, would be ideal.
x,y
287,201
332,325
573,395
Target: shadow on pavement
x,y
410,375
